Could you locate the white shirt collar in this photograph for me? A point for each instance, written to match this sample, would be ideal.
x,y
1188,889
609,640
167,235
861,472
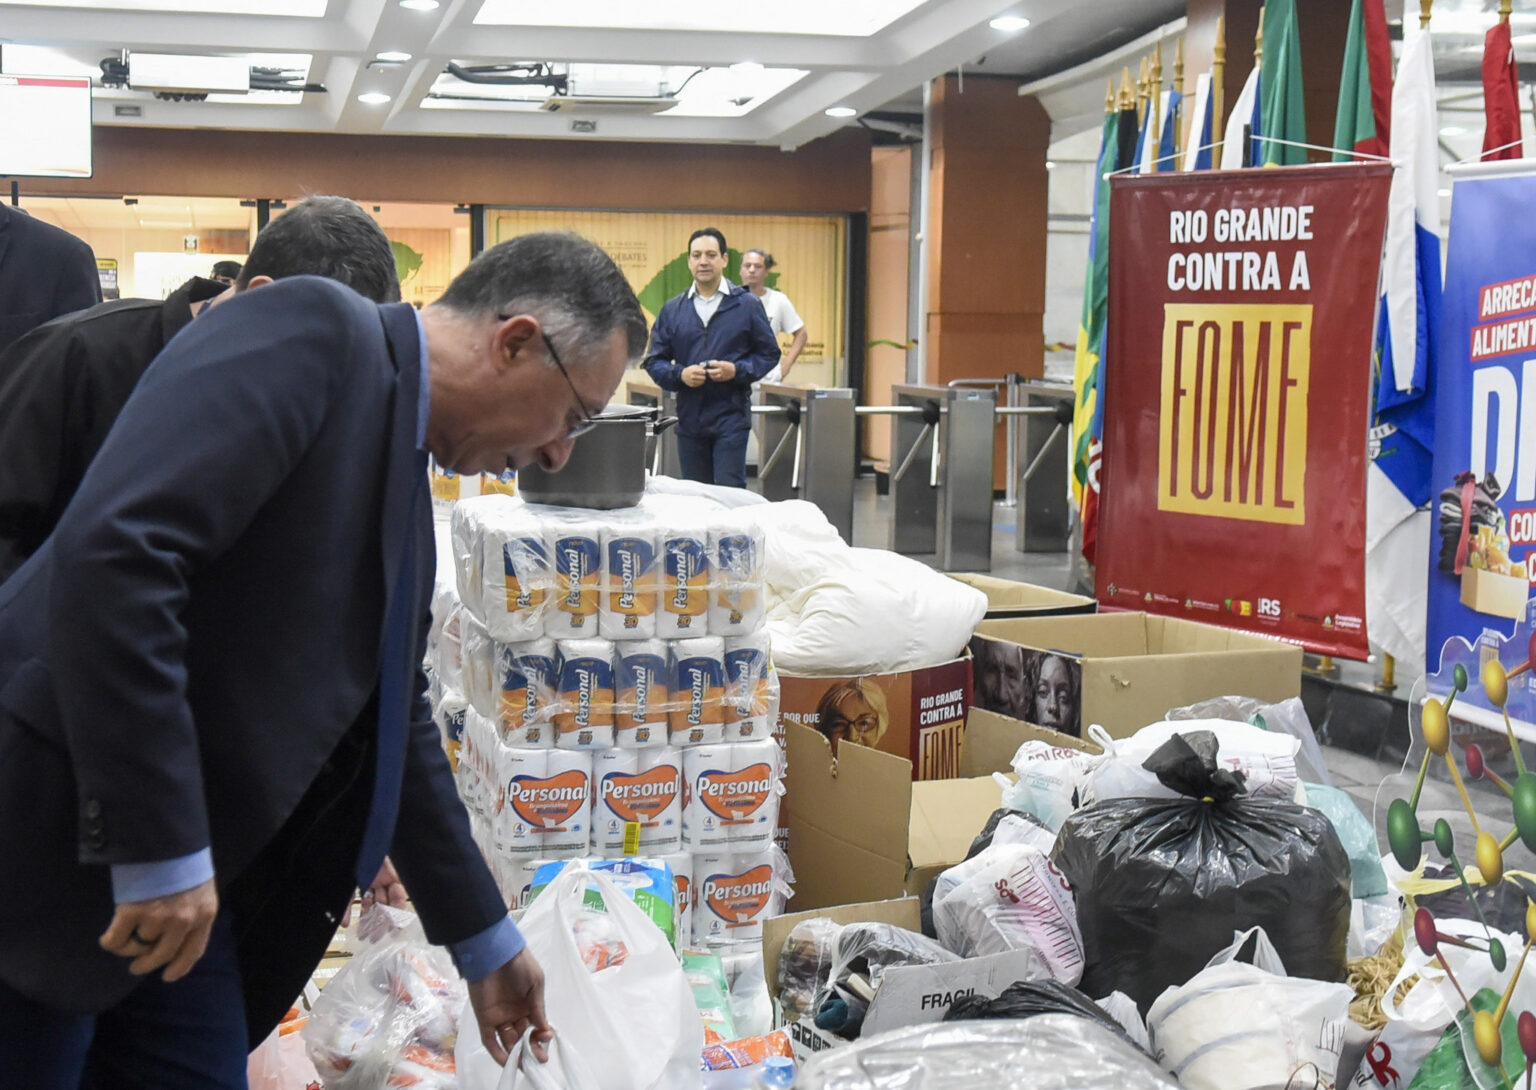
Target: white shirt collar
x,y
725,288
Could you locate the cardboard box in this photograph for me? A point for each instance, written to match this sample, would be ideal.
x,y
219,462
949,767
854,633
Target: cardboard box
x,y
908,996
862,830
917,714
1007,598
1121,670
1497,595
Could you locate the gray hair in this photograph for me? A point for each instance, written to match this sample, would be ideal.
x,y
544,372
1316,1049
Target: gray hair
x,y
326,236
567,282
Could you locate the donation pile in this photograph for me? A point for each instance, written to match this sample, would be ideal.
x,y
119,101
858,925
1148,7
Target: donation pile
x,y
606,691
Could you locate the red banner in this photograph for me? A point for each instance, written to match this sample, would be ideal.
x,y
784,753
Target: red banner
x,y
1237,398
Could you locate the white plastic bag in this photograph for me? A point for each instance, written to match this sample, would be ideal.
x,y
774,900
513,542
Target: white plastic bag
x,y
1236,1026
1287,717
280,1062
1267,761
565,1070
1010,897
633,1022
1048,781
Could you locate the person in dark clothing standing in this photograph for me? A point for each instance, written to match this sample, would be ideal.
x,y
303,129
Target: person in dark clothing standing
x,y
44,272
64,383
709,345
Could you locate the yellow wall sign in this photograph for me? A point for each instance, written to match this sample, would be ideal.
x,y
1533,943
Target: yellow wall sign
x,y
651,248
1233,422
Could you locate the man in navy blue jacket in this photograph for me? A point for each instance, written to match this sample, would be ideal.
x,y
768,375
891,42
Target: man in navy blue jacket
x,y
709,345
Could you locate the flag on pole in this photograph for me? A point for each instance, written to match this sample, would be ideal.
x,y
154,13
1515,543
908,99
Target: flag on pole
x,y
1202,133
1284,106
1090,333
1501,95
1365,88
1245,115
1403,435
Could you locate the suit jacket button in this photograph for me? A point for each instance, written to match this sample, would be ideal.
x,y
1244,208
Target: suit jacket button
x,y
96,840
93,808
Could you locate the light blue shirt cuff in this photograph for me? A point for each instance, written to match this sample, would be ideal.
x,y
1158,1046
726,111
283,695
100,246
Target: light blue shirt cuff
x,y
480,956
146,881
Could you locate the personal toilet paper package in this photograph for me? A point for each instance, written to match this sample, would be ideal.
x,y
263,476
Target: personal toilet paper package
x,y
639,787
517,572
478,774
731,796
577,546
682,881
477,654
683,539
698,691
631,578
737,604
734,892
546,802
464,531
584,718
530,675
747,688
449,712
643,672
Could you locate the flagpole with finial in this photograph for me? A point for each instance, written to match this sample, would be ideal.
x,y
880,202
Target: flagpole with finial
x,y
1154,106
1505,7
1127,96
1109,96
1178,120
1425,7
1258,41
1218,80
1142,79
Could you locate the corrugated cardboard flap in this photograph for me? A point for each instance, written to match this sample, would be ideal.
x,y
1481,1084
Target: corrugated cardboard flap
x,y
946,816
991,740
848,822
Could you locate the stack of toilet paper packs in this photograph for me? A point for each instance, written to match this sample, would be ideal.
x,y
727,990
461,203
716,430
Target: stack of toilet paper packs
x,y
605,687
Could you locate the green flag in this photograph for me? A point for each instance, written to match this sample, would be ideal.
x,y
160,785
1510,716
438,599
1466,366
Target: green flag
x,y
1365,86
1284,108
1090,332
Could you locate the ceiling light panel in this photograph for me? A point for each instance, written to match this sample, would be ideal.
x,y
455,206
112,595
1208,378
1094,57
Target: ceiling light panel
x,y
711,92
847,18
308,9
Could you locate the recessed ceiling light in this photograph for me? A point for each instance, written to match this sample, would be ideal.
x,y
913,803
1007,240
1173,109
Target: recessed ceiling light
x,y
746,68
1445,193
1009,23
1050,164
1453,130
394,56
842,111
373,98
419,5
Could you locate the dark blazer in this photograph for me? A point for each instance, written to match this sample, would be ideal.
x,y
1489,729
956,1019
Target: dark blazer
x,y
738,332
183,656
44,272
61,387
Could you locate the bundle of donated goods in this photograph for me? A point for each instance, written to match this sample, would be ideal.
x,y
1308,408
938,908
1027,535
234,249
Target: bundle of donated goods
x,y
1166,912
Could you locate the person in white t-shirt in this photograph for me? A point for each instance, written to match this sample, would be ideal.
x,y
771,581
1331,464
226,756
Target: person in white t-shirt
x,y
755,265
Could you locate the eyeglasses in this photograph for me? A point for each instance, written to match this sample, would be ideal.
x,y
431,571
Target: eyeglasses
x,y
588,421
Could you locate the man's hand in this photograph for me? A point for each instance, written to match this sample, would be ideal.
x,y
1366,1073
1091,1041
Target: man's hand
x,y
695,375
722,370
509,1001
387,889
171,931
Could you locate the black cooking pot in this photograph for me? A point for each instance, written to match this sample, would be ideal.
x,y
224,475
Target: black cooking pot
x,y
607,466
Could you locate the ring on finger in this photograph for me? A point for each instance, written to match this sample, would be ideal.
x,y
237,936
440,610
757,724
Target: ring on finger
x,y
140,939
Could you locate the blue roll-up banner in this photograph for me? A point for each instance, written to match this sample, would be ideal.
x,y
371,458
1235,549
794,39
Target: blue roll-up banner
x,y
1482,558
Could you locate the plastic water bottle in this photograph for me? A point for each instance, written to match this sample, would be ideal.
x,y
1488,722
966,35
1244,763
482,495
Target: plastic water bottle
x,y
775,1073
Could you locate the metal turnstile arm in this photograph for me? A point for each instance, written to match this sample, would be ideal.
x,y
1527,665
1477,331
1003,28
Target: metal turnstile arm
x,y
906,463
778,452
1045,448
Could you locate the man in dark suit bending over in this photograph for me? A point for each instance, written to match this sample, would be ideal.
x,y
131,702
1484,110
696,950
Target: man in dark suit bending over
x,y
212,713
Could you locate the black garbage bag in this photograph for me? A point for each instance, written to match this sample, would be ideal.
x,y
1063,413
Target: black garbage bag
x,y
1028,998
982,842
1162,884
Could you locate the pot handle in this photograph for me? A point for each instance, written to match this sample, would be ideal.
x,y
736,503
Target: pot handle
x,y
663,424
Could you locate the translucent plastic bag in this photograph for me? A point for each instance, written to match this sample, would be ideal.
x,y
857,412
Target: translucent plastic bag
x,y
1238,1026
1287,717
633,1020
1049,778
1266,760
1010,897
1051,1052
864,952
391,1016
564,1070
